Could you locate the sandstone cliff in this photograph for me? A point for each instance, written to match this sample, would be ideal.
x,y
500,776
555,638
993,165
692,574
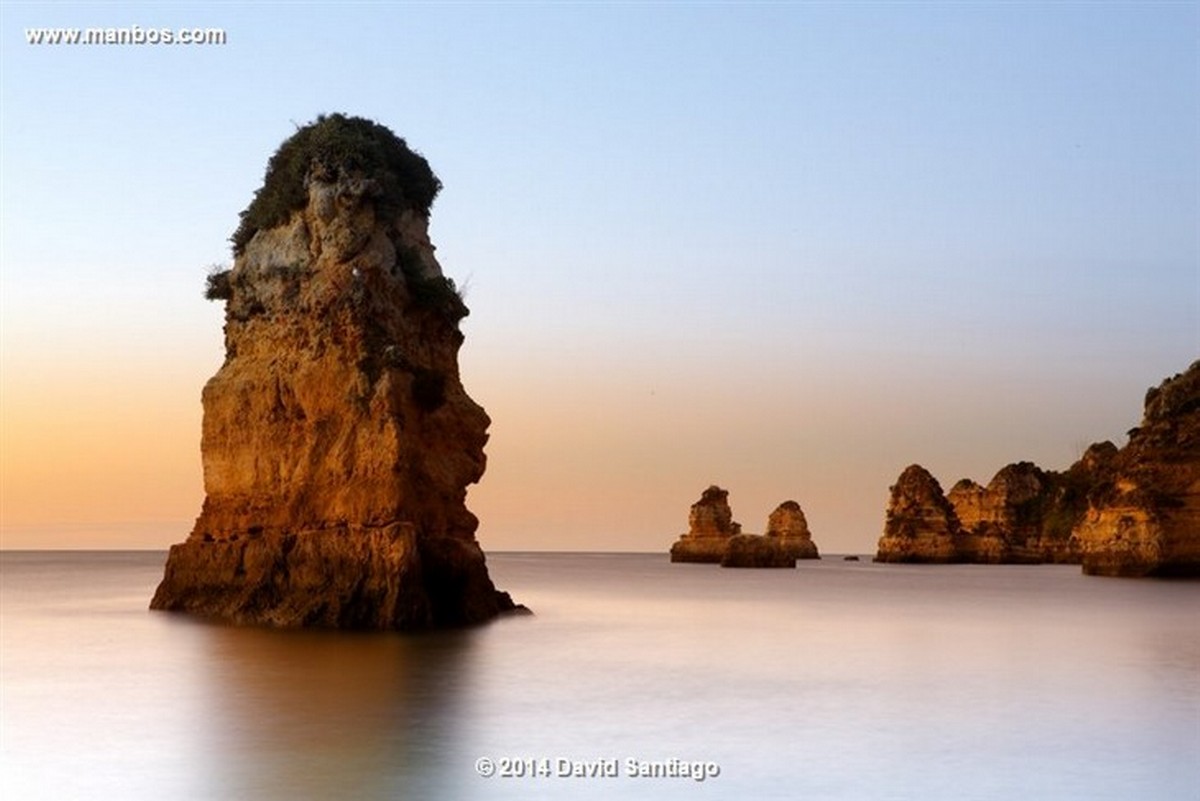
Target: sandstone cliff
x,y
338,441
1025,515
1145,520
1133,511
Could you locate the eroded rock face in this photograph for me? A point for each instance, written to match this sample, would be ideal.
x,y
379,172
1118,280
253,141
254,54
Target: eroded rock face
x,y
338,442
713,536
788,526
1024,515
756,550
921,525
710,525
1133,511
1145,520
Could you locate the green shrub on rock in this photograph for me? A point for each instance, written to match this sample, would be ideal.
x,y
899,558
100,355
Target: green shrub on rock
x,y
336,145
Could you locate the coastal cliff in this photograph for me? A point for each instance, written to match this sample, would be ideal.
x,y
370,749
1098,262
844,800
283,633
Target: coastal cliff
x,y
1025,515
1133,511
338,442
1145,521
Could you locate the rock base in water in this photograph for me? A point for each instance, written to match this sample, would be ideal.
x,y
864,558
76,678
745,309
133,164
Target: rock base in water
x,y
756,550
382,578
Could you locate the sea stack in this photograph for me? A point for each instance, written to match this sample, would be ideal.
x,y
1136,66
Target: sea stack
x,y
921,525
788,528
338,442
714,537
710,525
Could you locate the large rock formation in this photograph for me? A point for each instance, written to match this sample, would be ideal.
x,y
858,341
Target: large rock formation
x,y
1131,512
710,525
921,525
1025,515
788,527
338,441
1145,520
713,536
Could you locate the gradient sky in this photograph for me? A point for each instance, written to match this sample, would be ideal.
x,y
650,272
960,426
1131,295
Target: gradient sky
x,y
785,248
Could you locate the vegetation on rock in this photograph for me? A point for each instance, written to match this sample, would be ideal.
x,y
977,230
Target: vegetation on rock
x,y
217,286
334,146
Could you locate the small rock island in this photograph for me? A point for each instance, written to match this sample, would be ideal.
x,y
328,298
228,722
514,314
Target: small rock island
x,y
338,442
1131,511
714,537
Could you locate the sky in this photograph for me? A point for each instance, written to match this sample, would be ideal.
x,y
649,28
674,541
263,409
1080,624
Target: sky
x,y
786,248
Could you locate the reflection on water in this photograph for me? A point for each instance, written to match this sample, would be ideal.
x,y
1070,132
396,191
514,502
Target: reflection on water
x,y
369,716
835,680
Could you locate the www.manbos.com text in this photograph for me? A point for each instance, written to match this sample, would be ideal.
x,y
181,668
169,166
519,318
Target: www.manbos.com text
x,y
128,35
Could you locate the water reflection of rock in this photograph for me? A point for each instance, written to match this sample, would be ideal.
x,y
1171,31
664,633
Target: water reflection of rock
x,y
322,714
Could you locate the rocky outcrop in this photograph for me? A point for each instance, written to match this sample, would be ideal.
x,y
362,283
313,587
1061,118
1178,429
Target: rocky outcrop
x,y
1145,519
1025,515
756,550
1133,511
789,528
710,525
921,525
338,442
713,536
1000,519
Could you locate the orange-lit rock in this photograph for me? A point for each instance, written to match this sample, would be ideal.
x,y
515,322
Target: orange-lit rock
x,y
789,528
1145,521
710,525
1133,511
921,525
338,442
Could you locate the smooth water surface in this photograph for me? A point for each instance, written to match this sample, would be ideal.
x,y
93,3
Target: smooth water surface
x,y
837,680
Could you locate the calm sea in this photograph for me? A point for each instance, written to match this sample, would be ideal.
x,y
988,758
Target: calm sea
x,y
837,680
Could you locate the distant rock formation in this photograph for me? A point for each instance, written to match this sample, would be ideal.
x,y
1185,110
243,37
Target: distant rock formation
x,y
756,550
1025,515
1145,520
338,441
1133,511
710,525
921,525
788,526
713,536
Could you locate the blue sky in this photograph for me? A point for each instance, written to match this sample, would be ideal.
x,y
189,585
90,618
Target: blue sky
x,y
787,248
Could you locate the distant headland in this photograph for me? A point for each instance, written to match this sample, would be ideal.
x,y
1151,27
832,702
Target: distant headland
x,y
1131,511
338,441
